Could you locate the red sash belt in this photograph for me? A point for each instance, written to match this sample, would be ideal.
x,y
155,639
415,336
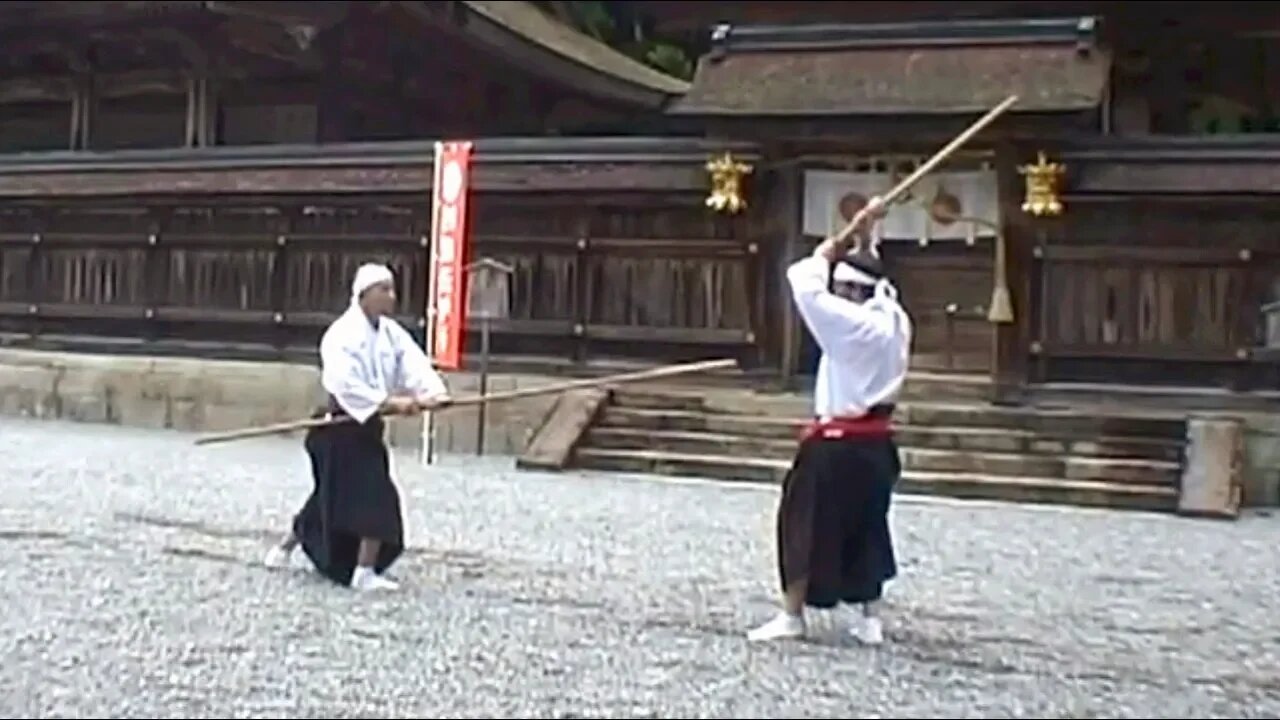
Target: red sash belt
x,y
840,428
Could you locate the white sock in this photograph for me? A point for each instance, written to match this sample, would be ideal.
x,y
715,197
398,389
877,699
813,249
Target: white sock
x,y
783,625
278,556
866,625
365,578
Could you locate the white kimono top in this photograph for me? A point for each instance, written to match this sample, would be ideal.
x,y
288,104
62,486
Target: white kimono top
x,y
362,365
865,346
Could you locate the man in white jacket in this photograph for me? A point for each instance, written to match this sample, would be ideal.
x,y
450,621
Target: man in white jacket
x,y
351,526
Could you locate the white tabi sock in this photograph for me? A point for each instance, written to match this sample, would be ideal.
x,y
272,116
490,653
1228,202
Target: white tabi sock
x,y
784,625
364,578
278,557
866,628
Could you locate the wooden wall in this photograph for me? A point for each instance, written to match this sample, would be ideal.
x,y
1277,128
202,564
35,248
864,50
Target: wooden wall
x,y
947,289
643,275
1150,291
625,280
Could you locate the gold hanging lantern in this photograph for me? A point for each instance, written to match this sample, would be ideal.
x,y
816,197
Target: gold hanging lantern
x,y
1043,184
726,184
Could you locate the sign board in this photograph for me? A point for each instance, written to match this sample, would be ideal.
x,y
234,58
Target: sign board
x,y
447,303
489,290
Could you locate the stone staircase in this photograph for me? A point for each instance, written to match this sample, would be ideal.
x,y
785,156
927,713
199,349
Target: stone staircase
x,y
963,448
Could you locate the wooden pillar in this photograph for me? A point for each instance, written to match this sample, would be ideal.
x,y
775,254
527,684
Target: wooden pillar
x,y
791,180
201,110
582,306
83,102
207,129
193,111
1011,342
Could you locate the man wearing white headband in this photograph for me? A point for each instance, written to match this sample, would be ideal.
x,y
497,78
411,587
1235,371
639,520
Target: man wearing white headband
x,y
834,542
351,527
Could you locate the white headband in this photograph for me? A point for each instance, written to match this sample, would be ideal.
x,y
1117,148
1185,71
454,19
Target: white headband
x,y
846,273
367,276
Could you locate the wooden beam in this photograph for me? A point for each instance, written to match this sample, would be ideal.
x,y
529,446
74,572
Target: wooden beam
x,y
193,112
63,88
1177,177
207,123
37,90
410,179
84,102
886,134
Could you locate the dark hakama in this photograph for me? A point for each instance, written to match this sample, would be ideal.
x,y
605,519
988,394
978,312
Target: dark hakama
x,y
353,498
833,520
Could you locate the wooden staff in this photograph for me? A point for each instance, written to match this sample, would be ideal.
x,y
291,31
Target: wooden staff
x,y
637,376
947,151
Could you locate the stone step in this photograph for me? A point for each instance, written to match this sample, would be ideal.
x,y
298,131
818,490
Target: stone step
x,y
690,442
651,400
655,419
783,444
946,386
1127,470
1025,441
935,387
1072,426
1057,423
967,485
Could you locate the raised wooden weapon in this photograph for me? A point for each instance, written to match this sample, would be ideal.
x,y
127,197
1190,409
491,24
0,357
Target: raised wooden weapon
x,y
842,237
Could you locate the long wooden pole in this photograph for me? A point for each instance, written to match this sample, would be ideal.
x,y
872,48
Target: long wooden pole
x,y
929,165
637,376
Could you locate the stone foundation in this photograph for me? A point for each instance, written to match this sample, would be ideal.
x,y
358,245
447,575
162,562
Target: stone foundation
x,y
215,395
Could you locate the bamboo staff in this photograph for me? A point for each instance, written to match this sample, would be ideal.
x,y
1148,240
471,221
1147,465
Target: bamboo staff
x,y
938,158
637,376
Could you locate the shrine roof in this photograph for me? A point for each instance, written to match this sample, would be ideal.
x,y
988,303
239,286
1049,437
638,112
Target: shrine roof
x,y
918,68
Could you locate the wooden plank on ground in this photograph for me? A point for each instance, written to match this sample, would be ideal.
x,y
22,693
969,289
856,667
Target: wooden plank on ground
x,y
1211,475
553,443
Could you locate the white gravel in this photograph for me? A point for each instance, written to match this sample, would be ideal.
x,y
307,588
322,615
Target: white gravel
x,y
131,590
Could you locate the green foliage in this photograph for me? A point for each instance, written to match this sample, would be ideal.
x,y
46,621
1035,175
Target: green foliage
x,y
613,27
670,59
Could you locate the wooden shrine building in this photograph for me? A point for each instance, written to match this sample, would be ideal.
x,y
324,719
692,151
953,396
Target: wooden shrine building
x,y
203,177
1157,126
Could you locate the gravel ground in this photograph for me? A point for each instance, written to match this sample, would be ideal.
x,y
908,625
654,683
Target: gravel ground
x,y
132,591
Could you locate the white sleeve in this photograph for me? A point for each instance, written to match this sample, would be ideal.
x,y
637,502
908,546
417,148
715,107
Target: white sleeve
x,y
339,376
418,375
842,328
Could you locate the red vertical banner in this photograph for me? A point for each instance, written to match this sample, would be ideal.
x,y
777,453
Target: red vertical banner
x,y
450,240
